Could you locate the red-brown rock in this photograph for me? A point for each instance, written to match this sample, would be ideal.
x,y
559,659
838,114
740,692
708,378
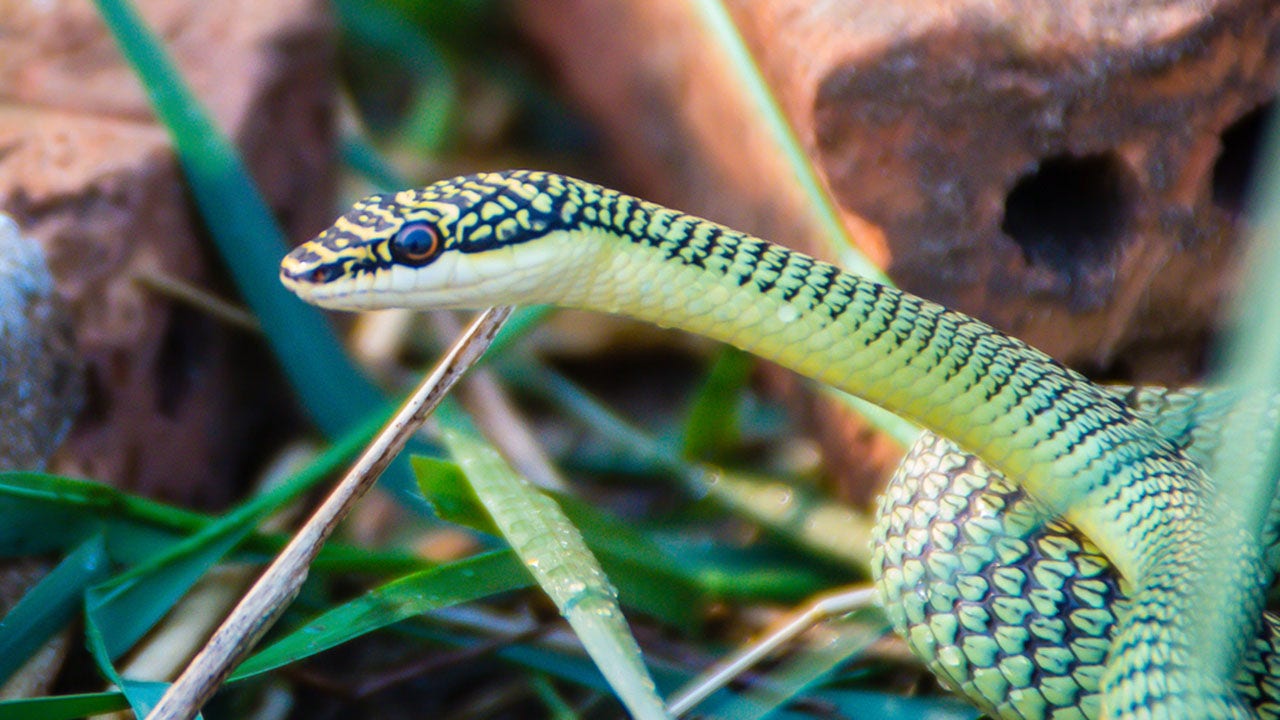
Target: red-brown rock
x,y
87,170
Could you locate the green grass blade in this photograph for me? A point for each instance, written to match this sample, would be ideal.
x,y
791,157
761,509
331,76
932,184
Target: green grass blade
x,y
30,503
719,23
445,487
404,598
135,527
712,425
121,610
63,707
335,393
142,695
375,29
553,551
532,376
126,607
672,579
444,586
166,564
557,707
557,662
1245,463
48,606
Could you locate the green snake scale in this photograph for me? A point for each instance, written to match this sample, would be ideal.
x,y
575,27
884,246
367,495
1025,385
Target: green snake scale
x,y
1013,609
527,237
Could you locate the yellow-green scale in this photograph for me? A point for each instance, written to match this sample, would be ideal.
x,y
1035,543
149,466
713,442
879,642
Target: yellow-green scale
x,y
1031,592
1075,449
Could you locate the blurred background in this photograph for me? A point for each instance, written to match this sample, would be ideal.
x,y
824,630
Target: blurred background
x,y
1076,175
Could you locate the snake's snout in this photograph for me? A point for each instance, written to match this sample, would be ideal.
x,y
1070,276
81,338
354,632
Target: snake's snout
x,y
294,271
306,265
312,276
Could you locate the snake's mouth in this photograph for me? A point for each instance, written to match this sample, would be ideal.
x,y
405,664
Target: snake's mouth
x,y
452,282
457,280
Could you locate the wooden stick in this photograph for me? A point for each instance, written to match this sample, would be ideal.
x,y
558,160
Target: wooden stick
x,y
279,584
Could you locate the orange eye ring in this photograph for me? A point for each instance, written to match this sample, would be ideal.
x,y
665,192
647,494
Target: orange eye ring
x,y
415,243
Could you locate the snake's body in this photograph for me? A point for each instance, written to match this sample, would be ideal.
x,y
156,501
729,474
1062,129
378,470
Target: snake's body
x,y
1014,609
524,237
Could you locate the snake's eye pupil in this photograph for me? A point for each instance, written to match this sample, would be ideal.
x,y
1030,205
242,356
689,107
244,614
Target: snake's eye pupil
x,y
415,244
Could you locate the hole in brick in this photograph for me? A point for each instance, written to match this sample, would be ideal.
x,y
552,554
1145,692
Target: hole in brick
x,y
1072,212
181,356
1233,171
97,404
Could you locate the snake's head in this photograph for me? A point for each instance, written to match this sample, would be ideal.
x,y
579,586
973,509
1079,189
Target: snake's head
x,y
451,245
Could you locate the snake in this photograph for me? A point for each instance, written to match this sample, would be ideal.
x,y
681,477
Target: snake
x,y
1084,457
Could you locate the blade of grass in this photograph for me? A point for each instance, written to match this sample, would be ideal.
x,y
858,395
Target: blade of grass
x,y
403,598
884,706
551,653
124,608
557,707
335,393
553,551
1245,462
134,527
673,583
459,502
375,28
452,584
719,23
849,638
445,487
121,610
712,424
63,707
48,606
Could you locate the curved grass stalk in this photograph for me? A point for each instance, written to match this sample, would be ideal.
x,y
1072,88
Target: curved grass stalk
x,y
1249,362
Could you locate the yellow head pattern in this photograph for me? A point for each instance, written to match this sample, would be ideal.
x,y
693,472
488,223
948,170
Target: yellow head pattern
x,y
451,244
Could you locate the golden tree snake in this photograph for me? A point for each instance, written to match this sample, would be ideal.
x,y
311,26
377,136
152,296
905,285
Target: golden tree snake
x,y
1058,583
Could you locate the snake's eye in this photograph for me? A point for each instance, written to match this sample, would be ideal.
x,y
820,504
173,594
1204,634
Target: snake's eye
x,y
415,244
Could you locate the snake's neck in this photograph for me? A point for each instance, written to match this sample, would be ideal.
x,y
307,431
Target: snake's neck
x,y
1024,413
943,370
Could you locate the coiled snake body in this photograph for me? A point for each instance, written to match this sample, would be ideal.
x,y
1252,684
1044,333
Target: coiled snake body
x,y
525,237
1013,609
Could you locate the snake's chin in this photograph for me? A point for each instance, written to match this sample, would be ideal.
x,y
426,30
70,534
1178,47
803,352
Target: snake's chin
x,y
384,293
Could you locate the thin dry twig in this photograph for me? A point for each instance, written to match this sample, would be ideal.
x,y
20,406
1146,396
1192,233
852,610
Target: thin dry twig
x,y
268,598
200,299
820,608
